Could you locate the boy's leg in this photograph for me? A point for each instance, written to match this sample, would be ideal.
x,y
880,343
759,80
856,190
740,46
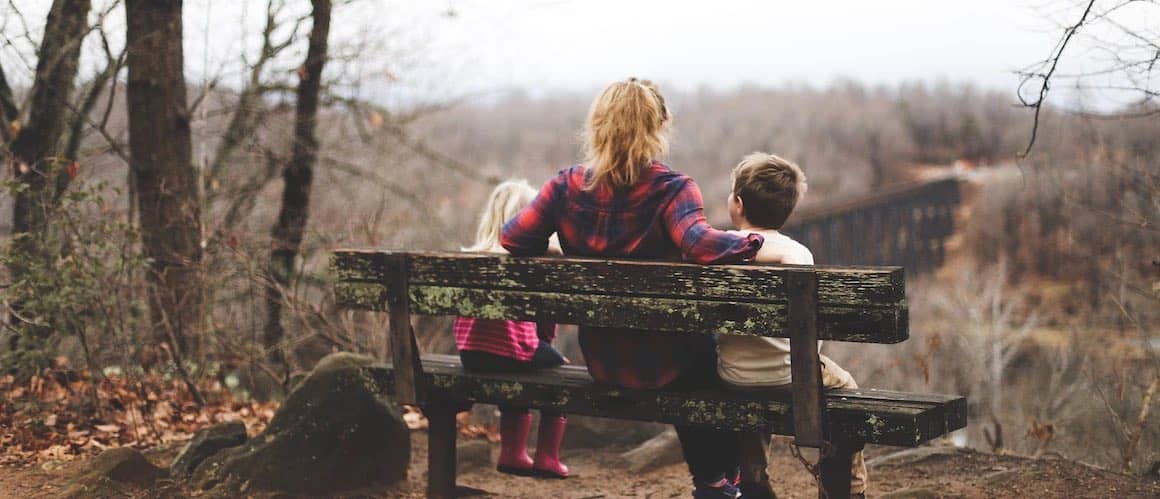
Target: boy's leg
x,y
710,454
752,455
833,376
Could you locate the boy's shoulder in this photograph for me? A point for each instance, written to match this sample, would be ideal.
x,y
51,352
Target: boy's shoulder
x,y
780,248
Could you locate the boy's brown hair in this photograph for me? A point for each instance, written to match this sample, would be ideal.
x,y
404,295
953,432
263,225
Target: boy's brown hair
x,y
769,188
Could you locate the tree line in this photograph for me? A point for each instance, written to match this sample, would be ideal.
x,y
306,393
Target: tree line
x,y
41,143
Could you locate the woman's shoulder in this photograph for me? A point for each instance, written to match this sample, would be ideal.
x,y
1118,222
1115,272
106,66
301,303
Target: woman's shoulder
x,y
662,173
575,174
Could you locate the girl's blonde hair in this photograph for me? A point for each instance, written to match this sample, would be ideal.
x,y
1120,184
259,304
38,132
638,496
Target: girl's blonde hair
x,y
505,201
626,131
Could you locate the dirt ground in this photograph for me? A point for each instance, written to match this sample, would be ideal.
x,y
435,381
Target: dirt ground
x,y
948,474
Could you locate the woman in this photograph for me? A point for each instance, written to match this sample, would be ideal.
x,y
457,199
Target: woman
x,y
623,203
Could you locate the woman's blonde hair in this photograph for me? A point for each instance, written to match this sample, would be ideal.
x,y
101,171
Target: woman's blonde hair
x,y
626,131
505,201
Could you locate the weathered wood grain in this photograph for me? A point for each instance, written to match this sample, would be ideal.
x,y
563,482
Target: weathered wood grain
x,y
873,416
805,364
403,345
848,286
873,325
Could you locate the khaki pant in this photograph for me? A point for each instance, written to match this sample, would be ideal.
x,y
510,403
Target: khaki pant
x,y
754,448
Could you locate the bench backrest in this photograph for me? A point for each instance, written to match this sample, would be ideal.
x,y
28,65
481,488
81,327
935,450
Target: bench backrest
x,y
803,303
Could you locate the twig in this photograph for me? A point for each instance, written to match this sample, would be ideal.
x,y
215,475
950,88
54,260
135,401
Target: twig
x,y
1141,419
1058,53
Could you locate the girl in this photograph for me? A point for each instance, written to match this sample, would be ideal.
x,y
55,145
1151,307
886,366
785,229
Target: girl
x,y
499,345
624,203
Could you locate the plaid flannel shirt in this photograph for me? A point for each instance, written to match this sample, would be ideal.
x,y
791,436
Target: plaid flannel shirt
x,y
660,218
512,339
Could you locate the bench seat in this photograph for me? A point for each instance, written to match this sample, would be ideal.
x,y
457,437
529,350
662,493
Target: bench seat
x,y
802,303
874,416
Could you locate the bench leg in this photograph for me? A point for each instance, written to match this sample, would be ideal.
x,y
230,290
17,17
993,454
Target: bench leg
x,y
835,470
441,451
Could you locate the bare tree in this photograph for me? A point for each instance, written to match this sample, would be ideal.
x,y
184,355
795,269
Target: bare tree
x,y
994,325
34,146
1130,58
297,177
166,183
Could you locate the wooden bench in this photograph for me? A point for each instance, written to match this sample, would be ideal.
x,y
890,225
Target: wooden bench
x,y
805,304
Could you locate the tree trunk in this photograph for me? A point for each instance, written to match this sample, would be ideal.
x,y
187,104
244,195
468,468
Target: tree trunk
x,y
167,190
34,145
292,216
8,110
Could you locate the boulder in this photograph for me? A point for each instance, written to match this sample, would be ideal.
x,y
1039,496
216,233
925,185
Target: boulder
x,y
661,450
590,432
115,473
206,443
912,456
335,432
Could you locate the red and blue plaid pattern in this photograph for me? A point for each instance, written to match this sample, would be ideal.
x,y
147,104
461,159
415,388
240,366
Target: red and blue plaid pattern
x,y
660,218
512,339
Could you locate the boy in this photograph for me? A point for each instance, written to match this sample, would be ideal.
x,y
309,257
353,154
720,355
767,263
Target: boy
x,y
765,191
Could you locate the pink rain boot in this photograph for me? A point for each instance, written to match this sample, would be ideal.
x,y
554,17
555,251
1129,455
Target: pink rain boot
x,y
548,463
513,440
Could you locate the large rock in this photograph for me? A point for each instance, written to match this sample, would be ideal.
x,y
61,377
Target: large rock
x,y
913,456
206,443
336,431
591,432
114,473
661,450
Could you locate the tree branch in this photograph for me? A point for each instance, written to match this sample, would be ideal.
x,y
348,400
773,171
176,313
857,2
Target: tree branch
x,y
1046,77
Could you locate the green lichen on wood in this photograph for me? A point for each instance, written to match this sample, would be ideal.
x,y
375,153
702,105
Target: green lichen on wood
x,y
777,409
562,398
703,412
502,390
361,295
449,383
875,418
876,425
466,302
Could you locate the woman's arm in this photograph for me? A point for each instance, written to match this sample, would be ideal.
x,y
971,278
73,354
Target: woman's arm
x,y
684,218
527,233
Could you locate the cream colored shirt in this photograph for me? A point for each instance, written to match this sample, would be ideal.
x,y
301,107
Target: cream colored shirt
x,y
757,360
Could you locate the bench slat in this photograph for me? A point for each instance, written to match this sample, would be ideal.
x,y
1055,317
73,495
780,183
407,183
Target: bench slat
x,y
888,418
875,325
847,286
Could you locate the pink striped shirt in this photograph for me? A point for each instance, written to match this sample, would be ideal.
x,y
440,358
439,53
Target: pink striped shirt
x,y
512,339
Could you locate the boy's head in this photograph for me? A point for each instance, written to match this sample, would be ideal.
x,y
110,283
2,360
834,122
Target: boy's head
x,y
766,189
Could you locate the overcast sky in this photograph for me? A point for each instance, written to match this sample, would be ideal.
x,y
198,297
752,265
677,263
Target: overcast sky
x,y
480,46
579,44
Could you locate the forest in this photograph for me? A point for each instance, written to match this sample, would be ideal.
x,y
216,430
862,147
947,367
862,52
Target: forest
x,y
165,240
